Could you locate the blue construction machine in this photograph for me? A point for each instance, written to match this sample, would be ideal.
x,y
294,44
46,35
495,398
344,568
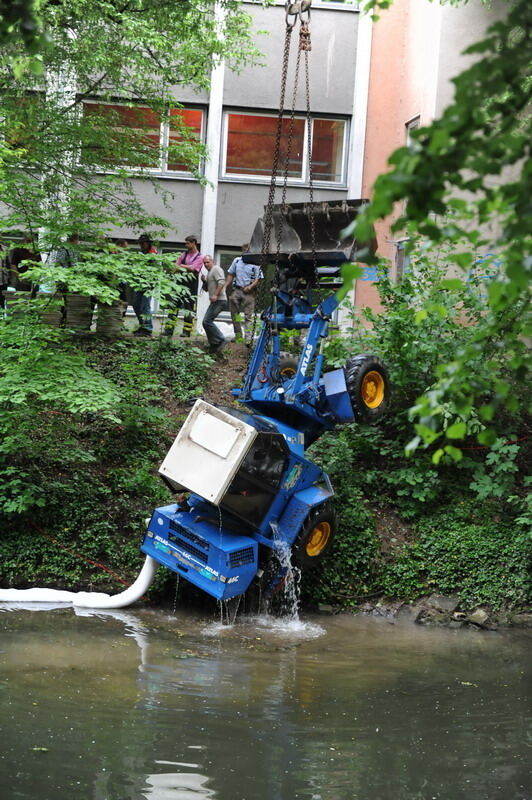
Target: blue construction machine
x,y
246,492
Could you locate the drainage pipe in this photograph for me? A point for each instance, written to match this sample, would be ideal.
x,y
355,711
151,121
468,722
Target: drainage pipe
x,y
87,599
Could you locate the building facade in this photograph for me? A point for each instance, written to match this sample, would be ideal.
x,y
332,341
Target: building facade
x,y
237,118
416,50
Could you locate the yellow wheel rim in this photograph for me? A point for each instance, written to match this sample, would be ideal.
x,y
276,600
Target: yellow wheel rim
x,y
318,539
288,372
373,389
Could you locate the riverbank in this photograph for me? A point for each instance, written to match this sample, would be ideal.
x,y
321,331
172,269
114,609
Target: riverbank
x,y
440,610
86,483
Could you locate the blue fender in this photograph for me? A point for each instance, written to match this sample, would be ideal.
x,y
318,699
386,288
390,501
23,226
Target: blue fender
x,y
299,508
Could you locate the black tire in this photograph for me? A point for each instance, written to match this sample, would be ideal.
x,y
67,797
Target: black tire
x,y
315,538
287,366
368,386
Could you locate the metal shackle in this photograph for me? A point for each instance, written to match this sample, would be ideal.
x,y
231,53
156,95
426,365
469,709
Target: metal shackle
x,y
300,9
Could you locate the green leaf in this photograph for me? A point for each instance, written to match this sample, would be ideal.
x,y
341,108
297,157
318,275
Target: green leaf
x,y
454,284
350,272
487,412
427,434
437,455
456,431
487,437
454,452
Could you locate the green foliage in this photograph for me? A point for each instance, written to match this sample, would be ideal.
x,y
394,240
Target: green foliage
x,y
483,556
64,169
86,477
348,573
425,320
495,476
89,405
445,182
186,368
465,551
99,272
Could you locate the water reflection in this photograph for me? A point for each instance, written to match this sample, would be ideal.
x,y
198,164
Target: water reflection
x,y
115,705
177,785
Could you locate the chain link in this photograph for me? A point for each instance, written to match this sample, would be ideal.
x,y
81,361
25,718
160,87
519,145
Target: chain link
x,y
294,10
290,138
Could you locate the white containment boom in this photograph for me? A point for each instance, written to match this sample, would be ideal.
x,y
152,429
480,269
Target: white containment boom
x,y
87,599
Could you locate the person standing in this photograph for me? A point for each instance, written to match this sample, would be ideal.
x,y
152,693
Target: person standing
x,y
192,261
67,255
141,301
4,276
246,278
217,303
23,252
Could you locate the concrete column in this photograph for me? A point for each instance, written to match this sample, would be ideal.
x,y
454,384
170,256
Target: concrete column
x,y
357,138
212,167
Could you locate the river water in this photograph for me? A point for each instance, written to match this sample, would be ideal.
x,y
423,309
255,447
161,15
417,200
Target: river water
x,y
156,706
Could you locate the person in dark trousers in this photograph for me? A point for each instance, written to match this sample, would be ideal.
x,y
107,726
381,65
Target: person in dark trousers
x,y
26,251
127,294
217,303
141,301
67,256
4,276
244,278
192,261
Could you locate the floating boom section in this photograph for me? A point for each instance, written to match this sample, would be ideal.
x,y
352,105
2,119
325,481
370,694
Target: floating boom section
x,y
87,599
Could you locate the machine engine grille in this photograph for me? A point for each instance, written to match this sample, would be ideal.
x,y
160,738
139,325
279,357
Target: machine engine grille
x,y
241,557
201,555
192,537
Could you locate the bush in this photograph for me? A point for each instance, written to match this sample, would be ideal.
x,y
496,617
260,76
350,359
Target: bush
x,y
78,486
349,571
477,556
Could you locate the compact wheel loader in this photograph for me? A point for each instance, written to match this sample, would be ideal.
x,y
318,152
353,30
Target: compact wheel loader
x,y
245,489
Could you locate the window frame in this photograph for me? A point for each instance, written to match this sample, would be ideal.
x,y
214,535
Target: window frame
x,y
411,125
334,5
304,180
161,170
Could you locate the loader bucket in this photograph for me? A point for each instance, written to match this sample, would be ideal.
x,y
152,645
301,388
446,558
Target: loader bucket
x,y
292,227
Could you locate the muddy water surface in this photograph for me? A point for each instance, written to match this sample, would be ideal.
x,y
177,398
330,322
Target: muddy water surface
x,y
150,706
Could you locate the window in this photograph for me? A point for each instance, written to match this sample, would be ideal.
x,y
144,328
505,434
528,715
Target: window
x,y
180,120
142,137
328,149
250,143
226,257
411,126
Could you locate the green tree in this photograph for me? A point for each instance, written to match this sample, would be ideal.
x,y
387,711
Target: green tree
x,y
466,173
65,165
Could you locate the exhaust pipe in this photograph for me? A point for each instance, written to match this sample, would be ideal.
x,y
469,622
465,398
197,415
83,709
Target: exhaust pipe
x,y
87,599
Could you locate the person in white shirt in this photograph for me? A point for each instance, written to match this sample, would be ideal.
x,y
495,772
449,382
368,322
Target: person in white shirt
x,y
245,279
217,304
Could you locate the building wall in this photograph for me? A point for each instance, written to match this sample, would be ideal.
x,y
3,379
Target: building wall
x,y
332,61
416,51
237,203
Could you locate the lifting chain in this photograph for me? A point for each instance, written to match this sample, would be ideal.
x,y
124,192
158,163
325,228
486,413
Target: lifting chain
x,y
310,170
304,38
294,11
